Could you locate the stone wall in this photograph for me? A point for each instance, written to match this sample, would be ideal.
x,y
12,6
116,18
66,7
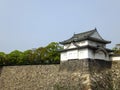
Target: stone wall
x,y
35,77
70,75
104,75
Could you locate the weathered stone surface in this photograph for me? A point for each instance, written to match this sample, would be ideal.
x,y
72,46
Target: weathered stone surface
x,y
34,77
105,75
70,75
75,66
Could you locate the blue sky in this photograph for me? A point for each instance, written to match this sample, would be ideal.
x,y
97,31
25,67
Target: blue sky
x,y
26,24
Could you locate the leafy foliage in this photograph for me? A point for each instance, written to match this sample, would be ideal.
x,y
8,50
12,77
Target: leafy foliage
x,y
2,58
15,57
42,55
116,51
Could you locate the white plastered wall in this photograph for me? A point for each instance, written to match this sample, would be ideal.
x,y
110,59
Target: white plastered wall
x,y
69,55
102,56
83,53
91,43
73,54
115,58
83,43
63,56
86,53
91,54
69,46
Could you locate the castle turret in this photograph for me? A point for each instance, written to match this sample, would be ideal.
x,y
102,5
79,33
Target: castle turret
x,y
86,45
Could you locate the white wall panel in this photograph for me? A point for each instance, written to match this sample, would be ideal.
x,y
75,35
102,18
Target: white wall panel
x,y
83,43
115,58
83,53
63,56
100,55
73,54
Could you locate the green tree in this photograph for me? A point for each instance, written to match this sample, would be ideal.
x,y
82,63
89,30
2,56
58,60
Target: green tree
x,y
2,58
15,58
42,55
53,52
116,51
28,57
49,54
39,55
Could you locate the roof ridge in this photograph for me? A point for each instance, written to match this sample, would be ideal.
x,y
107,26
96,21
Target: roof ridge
x,y
85,36
87,31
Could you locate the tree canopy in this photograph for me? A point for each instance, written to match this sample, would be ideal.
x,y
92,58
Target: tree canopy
x,y
42,55
116,50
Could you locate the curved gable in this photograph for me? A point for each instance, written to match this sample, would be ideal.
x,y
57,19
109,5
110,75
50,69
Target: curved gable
x,y
96,35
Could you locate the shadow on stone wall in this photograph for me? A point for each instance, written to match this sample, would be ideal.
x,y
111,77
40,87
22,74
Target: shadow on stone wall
x,y
74,75
99,65
75,66
1,79
1,67
100,74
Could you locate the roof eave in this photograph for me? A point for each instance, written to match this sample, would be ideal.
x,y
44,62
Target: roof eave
x,y
98,40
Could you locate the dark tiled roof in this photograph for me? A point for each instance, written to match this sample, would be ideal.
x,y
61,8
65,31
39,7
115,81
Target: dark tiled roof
x,y
84,36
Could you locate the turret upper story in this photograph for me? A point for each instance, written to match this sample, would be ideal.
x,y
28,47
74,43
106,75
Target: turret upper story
x,y
90,38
